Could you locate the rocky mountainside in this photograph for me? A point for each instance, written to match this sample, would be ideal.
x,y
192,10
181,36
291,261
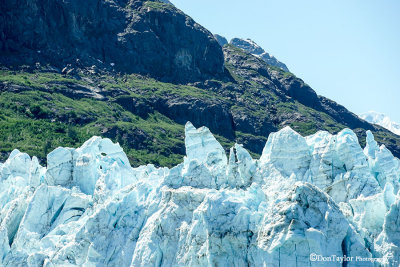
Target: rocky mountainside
x,y
305,198
135,72
253,48
221,39
382,120
129,36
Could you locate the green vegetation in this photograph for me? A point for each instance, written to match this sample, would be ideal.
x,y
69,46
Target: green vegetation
x,y
281,71
35,80
39,118
37,133
311,119
157,5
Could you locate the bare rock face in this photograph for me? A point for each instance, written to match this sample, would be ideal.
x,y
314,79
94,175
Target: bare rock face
x,y
221,39
147,37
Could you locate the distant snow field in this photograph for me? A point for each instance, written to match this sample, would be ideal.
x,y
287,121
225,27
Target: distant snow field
x,y
381,120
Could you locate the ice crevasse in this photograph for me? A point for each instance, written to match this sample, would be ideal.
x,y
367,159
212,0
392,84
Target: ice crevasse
x,y
322,194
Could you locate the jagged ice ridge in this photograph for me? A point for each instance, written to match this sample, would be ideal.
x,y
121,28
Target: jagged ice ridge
x,y
382,120
320,194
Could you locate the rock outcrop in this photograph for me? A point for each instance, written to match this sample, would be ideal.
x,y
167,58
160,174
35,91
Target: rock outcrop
x,y
135,36
250,46
221,39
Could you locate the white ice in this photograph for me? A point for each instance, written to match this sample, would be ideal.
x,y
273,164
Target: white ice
x,y
319,194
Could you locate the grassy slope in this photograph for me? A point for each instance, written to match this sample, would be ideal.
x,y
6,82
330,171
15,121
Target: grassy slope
x,y
40,119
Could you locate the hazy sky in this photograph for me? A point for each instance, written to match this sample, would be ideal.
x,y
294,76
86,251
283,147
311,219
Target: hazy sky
x,y
347,50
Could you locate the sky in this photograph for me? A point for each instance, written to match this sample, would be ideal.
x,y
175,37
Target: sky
x,y
346,50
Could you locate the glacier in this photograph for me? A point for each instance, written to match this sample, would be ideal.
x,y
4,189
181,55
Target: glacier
x,y
381,120
317,195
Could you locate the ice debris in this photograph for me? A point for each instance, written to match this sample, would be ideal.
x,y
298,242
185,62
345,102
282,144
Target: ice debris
x,y
319,194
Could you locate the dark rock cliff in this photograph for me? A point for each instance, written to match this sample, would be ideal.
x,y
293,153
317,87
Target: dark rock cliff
x,y
147,37
221,39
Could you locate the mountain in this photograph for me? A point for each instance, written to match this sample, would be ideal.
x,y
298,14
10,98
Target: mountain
x,y
382,120
304,199
146,37
136,72
253,48
221,39
120,80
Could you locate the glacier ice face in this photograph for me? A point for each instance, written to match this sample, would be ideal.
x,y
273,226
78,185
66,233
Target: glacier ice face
x,y
319,194
382,164
288,152
202,146
59,167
